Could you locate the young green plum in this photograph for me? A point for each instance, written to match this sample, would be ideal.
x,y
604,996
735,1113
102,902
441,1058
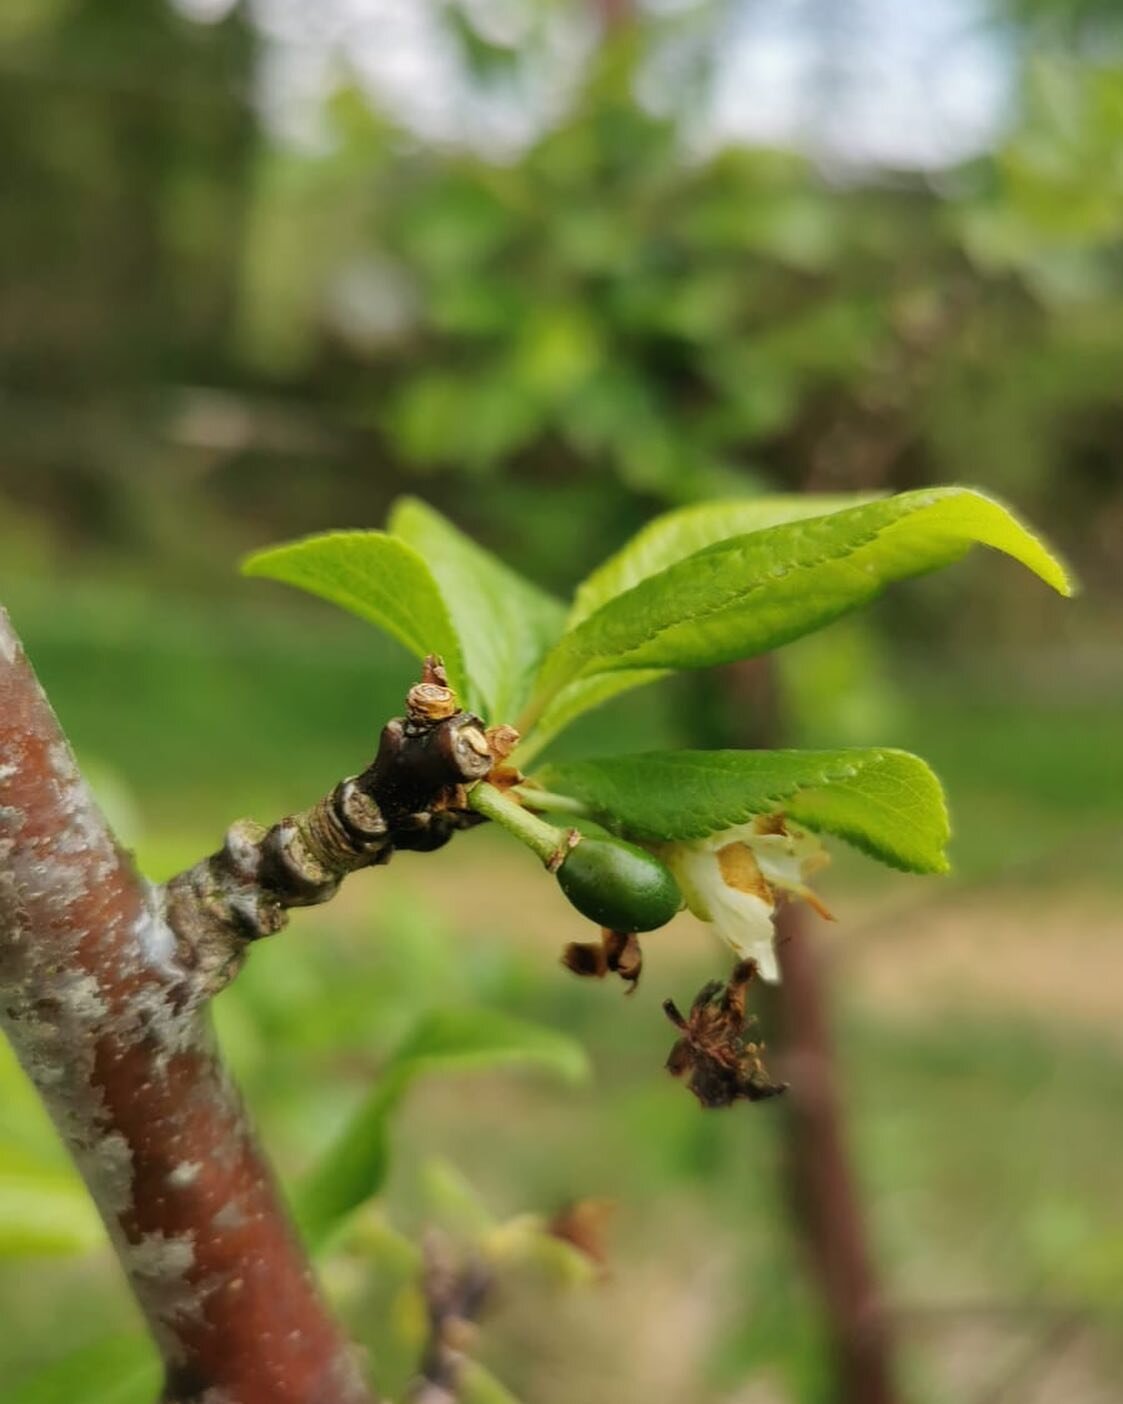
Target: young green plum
x,y
613,882
618,885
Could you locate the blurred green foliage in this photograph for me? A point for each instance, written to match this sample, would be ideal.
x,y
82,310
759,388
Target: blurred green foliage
x,y
987,1152
212,339
559,340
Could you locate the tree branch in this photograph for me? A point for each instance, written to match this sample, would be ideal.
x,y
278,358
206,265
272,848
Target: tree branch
x,y
823,1193
455,1296
411,796
105,985
821,1182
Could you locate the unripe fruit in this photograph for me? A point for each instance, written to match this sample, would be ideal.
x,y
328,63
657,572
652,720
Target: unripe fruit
x,y
619,885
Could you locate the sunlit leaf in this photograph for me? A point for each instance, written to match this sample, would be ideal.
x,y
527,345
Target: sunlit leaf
x,y
751,593
504,623
886,802
675,535
354,1168
378,577
665,540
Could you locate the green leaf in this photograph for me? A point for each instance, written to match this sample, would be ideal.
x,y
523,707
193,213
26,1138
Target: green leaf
x,y
886,802
665,540
504,623
678,534
355,1168
576,699
117,1370
44,1210
480,1386
453,1202
379,578
753,592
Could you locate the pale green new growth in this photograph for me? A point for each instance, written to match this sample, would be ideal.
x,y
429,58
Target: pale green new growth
x,y
125,1370
704,585
751,593
354,1169
481,1386
377,577
435,591
504,623
886,802
681,533
669,538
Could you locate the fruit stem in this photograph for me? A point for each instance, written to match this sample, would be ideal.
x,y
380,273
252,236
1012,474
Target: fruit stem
x,y
535,798
548,842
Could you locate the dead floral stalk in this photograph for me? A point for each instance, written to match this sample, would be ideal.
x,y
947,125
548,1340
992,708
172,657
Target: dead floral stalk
x,y
105,988
455,1296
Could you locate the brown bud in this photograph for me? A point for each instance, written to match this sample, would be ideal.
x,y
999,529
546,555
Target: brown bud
x,y
429,702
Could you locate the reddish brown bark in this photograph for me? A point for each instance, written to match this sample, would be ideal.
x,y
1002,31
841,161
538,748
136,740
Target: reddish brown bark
x,y
826,1203
108,1014
614,14
820,1179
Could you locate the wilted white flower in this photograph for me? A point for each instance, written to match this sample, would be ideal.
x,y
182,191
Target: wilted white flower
x,y
734,879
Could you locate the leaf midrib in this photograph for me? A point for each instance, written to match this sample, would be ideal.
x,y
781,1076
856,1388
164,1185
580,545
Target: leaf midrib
x,y
744,592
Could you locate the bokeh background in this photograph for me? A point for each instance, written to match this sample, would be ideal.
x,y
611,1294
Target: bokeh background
x,y
555,267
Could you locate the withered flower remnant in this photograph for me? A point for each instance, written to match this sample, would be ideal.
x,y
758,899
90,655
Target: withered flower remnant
x,y
722,1064
735,878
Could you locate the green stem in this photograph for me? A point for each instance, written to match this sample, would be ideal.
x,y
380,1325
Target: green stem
x,y
544,839
530,714
535,798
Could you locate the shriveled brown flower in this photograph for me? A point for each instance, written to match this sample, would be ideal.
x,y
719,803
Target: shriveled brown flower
x,y
713,1051
616,953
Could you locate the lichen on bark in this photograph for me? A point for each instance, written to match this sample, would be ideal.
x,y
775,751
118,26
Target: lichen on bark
x,y
104,1005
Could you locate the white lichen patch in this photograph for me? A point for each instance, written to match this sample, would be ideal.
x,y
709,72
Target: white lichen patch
x,y
55,1011
156,1257
82,996
184,1174
63,1076
63,764
101,996
107,1167
84,833
159,1267
230,1216
154,936
167,1027
9,644
59,884
348,1383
